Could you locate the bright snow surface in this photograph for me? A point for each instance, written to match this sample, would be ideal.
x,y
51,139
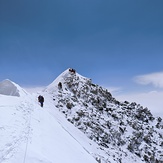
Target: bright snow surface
x,y
31,134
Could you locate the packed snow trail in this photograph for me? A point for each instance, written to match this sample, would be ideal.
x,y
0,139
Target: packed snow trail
x,y
14,121
30,134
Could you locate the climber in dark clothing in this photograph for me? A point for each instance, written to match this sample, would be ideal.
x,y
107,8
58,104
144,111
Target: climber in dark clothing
x,y
60,85
41,100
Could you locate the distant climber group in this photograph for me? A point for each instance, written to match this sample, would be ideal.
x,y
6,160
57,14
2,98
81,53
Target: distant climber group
x,y
72,70
41,100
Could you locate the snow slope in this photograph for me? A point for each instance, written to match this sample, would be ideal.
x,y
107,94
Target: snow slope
x,y
30,134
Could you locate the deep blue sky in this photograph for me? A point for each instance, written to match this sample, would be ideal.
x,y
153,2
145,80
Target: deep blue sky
x,y
110,41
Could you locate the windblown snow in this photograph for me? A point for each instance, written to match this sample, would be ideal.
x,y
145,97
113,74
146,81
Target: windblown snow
x,y
71,127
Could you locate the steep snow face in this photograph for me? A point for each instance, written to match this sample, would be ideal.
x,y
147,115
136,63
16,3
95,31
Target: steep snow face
x,y
10,88
124,132
31,134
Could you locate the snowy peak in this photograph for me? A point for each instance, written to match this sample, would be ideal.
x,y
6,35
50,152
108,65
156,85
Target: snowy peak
x,y
9,88
68,76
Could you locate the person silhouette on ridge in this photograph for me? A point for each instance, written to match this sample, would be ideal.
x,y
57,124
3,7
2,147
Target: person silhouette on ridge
x,y
41,100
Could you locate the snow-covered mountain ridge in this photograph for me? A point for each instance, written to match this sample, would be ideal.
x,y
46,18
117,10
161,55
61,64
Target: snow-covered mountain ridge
x,y
124,131
80,122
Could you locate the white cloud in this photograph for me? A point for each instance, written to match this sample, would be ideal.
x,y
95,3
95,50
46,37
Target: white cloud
x,y
152,100
156,79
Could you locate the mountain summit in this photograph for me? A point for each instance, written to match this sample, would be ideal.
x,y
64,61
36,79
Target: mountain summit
x,y
123,131
62,78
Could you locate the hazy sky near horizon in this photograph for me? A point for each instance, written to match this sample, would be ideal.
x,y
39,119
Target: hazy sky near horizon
x,y
115,43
